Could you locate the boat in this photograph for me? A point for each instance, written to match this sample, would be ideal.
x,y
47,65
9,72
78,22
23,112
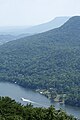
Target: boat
x,y
26,100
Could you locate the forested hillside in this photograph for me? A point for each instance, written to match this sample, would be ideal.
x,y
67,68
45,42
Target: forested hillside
x,y
46,60
10,110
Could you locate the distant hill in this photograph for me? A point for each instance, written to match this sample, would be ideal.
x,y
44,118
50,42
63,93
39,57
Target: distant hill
x,y
55,23
12,33
13,30
46,60
8,37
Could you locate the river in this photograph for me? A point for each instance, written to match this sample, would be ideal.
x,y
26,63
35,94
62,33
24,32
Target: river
x,y
18,93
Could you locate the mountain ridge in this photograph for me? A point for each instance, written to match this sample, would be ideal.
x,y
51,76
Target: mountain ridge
x,y
55,23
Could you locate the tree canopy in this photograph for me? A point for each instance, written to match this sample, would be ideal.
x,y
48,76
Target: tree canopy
x,y
11,110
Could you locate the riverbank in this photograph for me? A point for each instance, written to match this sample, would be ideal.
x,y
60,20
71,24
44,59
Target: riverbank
x,y
52,95
17,92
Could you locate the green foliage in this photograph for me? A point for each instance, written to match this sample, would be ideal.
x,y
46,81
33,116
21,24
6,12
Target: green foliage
x,y
10,110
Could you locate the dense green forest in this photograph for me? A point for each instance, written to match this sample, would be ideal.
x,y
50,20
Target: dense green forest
x,y
47,60
10,110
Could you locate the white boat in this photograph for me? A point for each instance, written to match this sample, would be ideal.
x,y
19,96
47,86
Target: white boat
x,y
26,100
29,101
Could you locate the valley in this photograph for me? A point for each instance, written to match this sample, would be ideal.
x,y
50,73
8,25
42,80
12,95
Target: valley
x,y
46,60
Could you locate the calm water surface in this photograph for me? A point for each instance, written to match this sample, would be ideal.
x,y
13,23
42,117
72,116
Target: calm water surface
x,y
17,92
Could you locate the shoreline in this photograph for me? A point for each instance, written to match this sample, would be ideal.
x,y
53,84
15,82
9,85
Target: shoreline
x,y
40,92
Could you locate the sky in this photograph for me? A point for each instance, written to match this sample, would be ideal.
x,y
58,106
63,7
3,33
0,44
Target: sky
x,y
33,12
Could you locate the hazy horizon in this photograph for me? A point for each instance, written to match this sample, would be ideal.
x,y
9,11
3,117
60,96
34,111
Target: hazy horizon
x,y
34,12
30,26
